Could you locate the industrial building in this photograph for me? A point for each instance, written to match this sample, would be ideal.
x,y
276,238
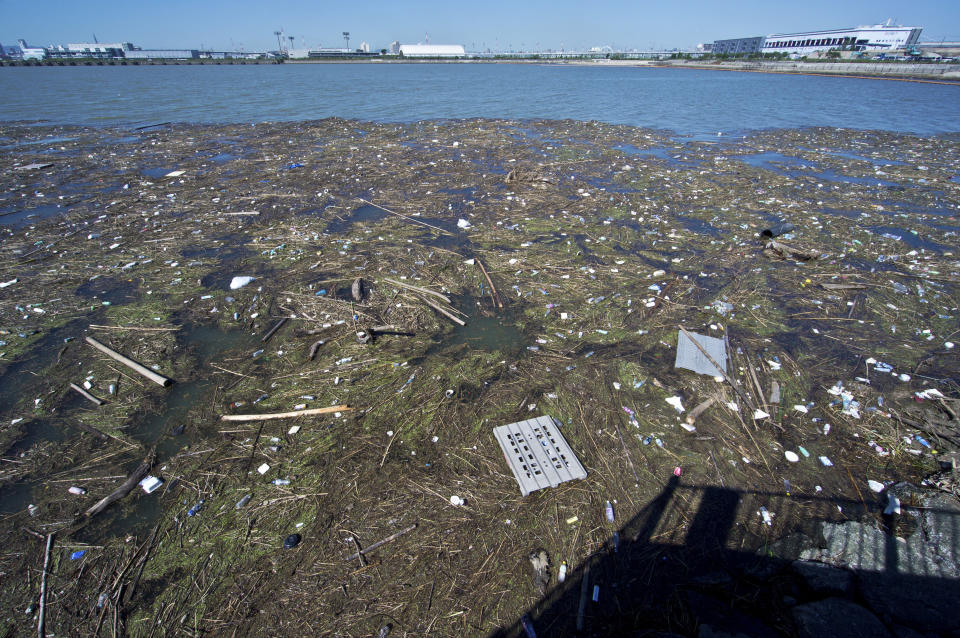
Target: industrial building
x,y
432,50
878,37
737,46
89,50
162,54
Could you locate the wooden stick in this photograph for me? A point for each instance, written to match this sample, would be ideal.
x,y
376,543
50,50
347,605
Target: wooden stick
x,y
443,312
285,415
697,411
94,326
370,548
86,395
130,363
729,380
41,616
417,288
489,281
274,329
409,219
128,485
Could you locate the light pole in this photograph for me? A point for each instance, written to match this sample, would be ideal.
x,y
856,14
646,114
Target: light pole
x,y
346,37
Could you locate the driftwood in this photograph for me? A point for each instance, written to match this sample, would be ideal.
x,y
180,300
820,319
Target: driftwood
x,y
314,347
409,219
89,428
494,294
697,411
358,290
86,395
284,415
41,615
417,288
132,480
443,312
784,251
274,329
370,548
130,363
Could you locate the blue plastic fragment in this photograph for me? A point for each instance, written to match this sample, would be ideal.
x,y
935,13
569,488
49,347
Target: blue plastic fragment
x,y
77,554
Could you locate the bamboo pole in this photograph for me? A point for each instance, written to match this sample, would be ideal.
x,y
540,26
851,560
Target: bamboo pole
x,y
417,288
41,616
409,219
85,394
130,363
284,415
443,312
496,295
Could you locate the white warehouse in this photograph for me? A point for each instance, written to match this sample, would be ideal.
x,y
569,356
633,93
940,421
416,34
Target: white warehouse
x,y
432,50
878,37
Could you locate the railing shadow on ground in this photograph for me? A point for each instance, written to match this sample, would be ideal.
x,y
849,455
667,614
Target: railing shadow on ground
x,y
685,562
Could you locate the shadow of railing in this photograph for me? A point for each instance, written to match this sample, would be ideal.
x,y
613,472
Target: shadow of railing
x,y
689,558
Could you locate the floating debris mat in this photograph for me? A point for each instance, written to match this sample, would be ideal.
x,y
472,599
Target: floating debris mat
x,y
690,357
538,454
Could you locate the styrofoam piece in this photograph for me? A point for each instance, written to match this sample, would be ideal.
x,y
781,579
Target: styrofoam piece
x,y
689,356
150,484
537,454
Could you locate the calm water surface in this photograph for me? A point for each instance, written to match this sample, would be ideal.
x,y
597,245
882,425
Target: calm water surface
x,y
686,101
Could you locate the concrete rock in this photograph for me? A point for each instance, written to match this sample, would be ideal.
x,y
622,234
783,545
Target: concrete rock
x,y
837,618
824,579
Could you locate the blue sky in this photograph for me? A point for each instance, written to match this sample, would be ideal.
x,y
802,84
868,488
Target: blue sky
x,y
494,24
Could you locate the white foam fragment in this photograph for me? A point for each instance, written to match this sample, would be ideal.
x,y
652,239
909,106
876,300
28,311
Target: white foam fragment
x,y
676,402
240,282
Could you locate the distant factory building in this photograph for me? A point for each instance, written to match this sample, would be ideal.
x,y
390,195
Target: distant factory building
x,y
90,50
878,37
162,54
395,47
737,46
432,50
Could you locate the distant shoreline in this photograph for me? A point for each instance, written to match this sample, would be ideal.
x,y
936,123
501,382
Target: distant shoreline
x,y
907,71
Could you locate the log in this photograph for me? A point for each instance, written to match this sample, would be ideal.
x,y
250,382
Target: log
x,y
130,363
135,477
285,415
443,312
86,395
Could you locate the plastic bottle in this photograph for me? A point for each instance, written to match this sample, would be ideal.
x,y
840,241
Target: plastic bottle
x,y
195,509
562,574
280,481
608,508
243,501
